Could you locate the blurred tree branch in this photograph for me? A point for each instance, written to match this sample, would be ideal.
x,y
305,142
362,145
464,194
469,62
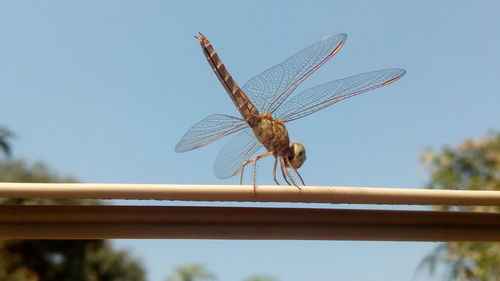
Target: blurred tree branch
x,y
5,137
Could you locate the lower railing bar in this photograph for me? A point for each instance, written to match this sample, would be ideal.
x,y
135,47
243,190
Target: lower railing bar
x,y
106,222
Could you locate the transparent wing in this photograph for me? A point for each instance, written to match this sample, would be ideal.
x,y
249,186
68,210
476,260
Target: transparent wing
x,y
324,95
240,148
208,130
269,89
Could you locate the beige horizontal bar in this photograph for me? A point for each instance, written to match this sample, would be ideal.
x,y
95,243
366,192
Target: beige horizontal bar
x,y
270,193
105,222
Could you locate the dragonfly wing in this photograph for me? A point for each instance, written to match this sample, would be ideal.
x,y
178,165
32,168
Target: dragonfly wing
x,y
240,148
324,95
269,89
208,130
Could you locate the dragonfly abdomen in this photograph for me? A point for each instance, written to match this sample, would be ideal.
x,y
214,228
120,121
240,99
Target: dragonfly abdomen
x,y
247,110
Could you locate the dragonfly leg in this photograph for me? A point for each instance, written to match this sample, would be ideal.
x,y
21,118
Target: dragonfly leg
x,y
300,177
274,170
240,170
255,168
255,176
283,169
297,172
254,160
284,165
241,174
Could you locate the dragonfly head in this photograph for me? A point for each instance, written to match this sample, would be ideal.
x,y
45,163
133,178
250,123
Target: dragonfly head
x,y
297,155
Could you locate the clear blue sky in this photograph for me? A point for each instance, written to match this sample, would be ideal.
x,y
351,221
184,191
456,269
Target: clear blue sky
x,y
103,90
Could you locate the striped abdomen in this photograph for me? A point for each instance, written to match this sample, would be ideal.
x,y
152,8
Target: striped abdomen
x,y
242,102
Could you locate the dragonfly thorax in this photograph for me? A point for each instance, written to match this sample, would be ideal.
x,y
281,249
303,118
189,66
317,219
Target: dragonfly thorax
x,y
272,134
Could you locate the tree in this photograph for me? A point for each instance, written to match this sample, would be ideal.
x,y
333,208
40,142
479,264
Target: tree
x,y
260,277
198,272
58,260
472,165
191,272
5,135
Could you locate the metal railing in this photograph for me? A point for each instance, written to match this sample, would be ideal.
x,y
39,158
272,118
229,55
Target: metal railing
x,y
95,222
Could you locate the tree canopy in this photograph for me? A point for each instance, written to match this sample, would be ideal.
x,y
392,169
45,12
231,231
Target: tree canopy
x,y
191,272
58,260
472,165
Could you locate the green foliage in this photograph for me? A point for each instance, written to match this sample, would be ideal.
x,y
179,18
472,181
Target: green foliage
x,y
260,277
472,165
20,171
198,272
191,272
61,260
58,260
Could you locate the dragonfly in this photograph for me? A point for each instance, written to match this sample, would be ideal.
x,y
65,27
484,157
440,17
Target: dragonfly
x,y
265,104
